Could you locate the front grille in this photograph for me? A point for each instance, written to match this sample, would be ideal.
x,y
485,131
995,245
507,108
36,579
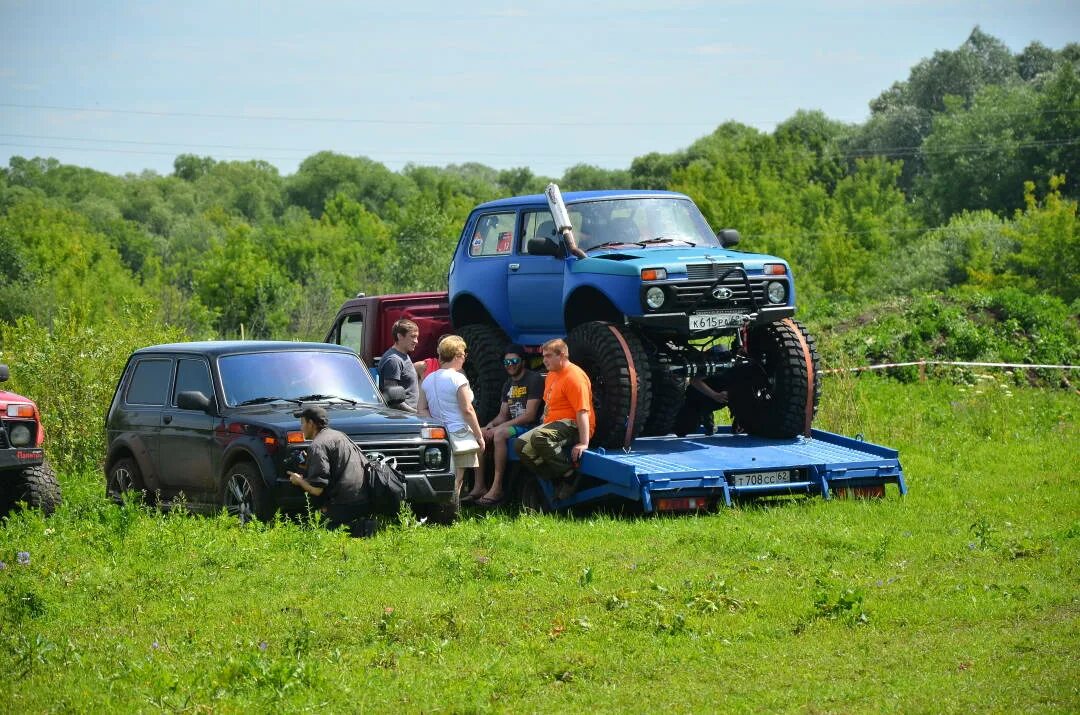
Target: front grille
x,y
407,453
710,271
3,437
695,294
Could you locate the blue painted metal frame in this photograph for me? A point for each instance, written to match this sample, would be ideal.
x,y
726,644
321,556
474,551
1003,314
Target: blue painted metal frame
x,y
675,467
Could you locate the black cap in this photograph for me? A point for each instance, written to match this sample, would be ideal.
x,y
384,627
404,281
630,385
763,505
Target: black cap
x,y
314,413
514,349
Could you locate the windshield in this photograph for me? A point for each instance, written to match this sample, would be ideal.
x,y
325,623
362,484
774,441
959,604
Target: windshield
x,y
657,222
294,374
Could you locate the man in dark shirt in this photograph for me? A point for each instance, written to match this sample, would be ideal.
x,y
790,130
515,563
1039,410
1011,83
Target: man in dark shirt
x,y
335,473
396,367
522,395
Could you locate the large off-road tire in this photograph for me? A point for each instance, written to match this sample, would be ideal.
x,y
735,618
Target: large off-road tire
x,y
123,478
770,398
444,513
37,487
484,367
668,395
596,349
244,495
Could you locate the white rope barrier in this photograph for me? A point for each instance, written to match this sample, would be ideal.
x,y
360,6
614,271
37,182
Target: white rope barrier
x,y
921,364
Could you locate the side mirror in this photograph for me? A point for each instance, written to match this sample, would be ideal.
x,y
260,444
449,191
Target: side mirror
x,y
195,400
395,395
728,237
4,373
544,247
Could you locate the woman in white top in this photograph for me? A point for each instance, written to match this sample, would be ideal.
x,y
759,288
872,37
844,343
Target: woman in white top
x,y
445,395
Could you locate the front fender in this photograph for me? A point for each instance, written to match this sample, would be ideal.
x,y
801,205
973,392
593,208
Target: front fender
x,y
622,291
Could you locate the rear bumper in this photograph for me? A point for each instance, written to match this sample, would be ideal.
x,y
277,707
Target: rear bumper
x,y
16,458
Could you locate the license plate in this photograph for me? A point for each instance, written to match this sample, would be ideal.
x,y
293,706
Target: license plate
x,y
753,479
712,321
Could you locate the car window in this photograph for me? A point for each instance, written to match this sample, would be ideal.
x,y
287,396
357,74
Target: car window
x,y
493,236
295,374
536,224
351,332
150,382
192,375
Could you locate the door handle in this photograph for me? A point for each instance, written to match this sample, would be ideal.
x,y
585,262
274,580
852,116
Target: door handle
x,y
515,266
167,419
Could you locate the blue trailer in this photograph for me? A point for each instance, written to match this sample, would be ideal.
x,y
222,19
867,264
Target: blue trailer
x,y
696,472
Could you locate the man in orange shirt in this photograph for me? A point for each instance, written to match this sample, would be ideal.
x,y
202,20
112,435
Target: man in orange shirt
x,y
568,420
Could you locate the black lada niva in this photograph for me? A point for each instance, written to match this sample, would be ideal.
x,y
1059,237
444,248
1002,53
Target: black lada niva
x,y
212,424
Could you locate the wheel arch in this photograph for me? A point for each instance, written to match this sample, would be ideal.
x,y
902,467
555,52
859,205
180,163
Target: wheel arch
x,y
467,309
242,453
587,304
131,446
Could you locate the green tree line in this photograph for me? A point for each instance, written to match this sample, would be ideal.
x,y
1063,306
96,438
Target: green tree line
x,y
965,174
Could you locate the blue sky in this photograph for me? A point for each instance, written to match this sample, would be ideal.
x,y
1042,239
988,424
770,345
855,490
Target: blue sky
x,y
126,86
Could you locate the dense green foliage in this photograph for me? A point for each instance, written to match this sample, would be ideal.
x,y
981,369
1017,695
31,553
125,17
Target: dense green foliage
x,y
966,173
959,597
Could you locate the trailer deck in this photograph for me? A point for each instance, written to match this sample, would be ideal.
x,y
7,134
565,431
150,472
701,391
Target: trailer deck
x,y
688,473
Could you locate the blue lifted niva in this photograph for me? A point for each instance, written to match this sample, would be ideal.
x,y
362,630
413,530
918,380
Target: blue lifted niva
x,y
659,300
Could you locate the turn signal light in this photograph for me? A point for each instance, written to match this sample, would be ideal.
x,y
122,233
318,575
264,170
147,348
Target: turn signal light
x,y
653,274
775,269
294,437
433,433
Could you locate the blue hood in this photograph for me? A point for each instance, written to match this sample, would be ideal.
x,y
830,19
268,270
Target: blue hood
x,y
630,260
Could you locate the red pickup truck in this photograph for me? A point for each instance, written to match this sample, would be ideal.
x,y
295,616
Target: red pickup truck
x,y
364,323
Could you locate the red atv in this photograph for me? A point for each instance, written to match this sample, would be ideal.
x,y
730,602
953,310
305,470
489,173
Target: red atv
x,y
25,476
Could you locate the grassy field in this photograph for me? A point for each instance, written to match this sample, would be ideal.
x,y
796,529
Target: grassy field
x,y
962,596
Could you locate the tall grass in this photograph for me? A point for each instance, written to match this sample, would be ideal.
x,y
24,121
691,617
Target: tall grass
x,y
960,597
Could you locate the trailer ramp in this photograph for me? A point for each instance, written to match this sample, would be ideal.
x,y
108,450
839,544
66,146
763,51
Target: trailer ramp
x,y
699,469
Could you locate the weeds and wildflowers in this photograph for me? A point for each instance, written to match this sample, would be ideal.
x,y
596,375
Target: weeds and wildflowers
x,y
125,608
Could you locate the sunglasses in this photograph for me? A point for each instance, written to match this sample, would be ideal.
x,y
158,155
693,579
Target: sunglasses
x,y
507,362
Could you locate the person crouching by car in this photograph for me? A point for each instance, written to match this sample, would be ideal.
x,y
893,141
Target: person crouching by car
x,y
335,474
445,395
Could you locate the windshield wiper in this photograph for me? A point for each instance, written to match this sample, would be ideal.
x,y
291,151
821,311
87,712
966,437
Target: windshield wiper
x,y
264,400
609,244
662,239
309,398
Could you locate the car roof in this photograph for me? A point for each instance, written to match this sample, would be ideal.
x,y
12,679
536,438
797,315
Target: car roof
x,y
216,348
575,196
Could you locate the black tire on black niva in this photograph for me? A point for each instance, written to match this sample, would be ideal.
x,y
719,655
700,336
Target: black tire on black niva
x,y
770,399
444,513
596,350
124,477
244,494
484,367
37,486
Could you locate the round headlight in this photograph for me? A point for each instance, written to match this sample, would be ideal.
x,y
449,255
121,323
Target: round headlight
x,y
19,435
433,457
654,297
777,292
